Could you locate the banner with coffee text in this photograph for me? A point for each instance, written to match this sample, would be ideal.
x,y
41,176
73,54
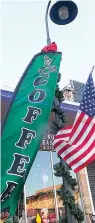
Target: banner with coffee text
x,y
24,126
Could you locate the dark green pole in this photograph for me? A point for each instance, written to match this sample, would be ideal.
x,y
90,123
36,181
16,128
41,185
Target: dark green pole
x,y
69,217
46,22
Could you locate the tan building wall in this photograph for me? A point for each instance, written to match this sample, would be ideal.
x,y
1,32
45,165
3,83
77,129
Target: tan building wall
x,y
85,192
44,203
39,201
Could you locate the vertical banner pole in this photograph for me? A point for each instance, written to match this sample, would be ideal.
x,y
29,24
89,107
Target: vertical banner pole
x,y
18,211
55,195
25,210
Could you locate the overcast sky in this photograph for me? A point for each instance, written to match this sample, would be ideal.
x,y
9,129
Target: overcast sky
x,y
23,35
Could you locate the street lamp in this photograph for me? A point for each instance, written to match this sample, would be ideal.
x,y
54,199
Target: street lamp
x,y
61,13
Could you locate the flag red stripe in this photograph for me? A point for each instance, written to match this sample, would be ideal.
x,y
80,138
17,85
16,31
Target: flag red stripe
x,y
79,150
64,149
69,145
64,131
84,128
75,129
62,136
74,151
66,128
76,124
92,158
58,144
83,154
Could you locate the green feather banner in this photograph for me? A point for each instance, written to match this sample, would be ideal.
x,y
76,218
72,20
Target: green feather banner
x,y
24,126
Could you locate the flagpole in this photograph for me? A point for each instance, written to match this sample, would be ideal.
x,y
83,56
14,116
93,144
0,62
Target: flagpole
x,y
54,187
25,210
92,69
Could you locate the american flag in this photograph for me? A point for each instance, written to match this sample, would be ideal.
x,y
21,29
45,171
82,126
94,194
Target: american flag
x,y
76,144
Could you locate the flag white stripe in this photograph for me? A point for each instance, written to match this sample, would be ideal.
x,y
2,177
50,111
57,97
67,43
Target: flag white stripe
x,y
63,139
60,146
81,150
66,131
72,147
87,157
78,129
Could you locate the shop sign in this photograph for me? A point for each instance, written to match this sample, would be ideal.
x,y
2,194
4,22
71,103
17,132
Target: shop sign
x,y
47,142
